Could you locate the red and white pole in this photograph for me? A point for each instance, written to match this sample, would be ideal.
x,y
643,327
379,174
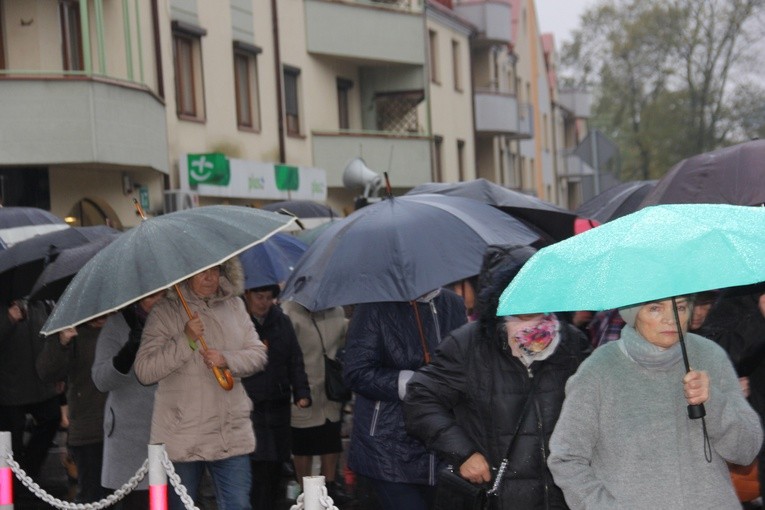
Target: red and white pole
x,y
157,478
6,475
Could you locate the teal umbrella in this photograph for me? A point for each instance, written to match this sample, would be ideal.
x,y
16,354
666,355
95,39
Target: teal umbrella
x,y
654,253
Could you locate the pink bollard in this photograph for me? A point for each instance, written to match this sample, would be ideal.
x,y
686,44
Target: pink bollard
x,y
6,475
157,478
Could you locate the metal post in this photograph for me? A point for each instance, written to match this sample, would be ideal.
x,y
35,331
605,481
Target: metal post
x,y
312,486
595,162
128,40
87,62
157,478
6,475
99,11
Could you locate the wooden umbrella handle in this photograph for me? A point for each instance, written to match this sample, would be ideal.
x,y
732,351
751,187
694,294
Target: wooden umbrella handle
x,y
223,375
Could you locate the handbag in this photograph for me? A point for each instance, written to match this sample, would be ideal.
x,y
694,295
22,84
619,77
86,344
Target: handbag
x,y
455,493
746,481
334,386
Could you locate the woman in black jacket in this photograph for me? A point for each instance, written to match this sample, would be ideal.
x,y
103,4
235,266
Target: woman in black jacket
x,y
466,404
272,392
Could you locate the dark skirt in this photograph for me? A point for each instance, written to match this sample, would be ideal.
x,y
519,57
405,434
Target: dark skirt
x,y
317,440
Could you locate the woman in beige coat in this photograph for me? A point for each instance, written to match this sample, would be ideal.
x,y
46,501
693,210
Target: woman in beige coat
x,y
201,424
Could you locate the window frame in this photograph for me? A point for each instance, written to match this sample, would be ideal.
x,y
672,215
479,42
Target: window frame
x,y
71,35
456,65
187,41
247,54
292,119
344,87
433,54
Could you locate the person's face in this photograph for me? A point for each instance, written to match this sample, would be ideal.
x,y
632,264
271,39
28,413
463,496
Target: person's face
x,y
699,315
656,321
258,303
148,302
205,284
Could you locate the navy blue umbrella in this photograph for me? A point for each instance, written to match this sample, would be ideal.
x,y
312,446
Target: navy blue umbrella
x,y
399,249
20,223
271,261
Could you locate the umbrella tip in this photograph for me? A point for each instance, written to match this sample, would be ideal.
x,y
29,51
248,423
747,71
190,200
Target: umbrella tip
x,y
387,185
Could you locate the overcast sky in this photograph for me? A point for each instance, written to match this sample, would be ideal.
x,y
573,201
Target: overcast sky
x,y
560,17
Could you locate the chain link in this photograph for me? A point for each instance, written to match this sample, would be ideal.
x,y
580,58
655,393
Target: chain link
x,y
111,499
298,503
175,481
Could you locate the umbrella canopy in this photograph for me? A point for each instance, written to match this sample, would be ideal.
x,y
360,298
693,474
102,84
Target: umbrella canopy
x,y
399,249
20,223
616,201
733,175
57,274
303,209
271,261
22,263
554,222
157,254
651,254
309,235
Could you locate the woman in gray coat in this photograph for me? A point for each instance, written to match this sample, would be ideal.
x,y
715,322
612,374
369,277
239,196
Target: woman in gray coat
x,y
127,415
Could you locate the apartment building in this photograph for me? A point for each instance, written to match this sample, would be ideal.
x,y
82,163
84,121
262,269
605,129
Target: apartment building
x,y
247,101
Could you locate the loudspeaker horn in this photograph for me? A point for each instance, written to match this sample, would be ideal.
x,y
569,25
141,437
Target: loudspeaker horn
x,y
358,175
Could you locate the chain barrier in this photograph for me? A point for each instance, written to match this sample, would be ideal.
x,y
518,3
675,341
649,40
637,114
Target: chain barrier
x,y
111,499
175,481
324,500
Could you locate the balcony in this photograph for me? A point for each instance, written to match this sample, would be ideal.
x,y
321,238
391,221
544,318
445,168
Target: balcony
x,y
386,32
491,18
500,114
406,158
576,101
81,120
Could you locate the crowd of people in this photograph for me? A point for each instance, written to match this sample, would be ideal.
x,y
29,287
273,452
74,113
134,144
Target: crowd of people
x,y
583,411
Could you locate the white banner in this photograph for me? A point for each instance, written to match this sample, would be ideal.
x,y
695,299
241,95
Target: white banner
x,y
253,179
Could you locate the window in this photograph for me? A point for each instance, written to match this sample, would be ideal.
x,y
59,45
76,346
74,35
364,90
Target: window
x,y
433,48
456,65
461,160
438,157
246,86
2,46
187,56
292,99
343,89
71,35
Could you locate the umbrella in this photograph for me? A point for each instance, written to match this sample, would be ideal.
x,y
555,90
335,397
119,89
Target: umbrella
x,y
271,261
22,263
399,249
733,175
57,274
554,222
309,235
303,209
652,254
20,223
157,254
616,201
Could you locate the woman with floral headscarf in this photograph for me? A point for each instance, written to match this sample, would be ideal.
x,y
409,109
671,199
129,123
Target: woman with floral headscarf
x,y
467,403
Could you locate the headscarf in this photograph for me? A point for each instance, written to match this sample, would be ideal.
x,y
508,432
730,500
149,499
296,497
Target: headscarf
x,y
533,339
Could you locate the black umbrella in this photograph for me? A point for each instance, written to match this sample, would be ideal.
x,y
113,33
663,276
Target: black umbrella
x,y
58,273
22,263
303,209
616,201
20,223
548,219
733,175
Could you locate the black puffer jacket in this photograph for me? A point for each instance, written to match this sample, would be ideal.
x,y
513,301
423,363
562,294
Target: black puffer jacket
x,y
469,399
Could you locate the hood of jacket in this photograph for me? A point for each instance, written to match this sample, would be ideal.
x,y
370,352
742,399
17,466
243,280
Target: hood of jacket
x,y
231,282
500,265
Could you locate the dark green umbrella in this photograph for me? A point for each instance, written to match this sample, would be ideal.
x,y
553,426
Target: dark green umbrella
x,y
157,254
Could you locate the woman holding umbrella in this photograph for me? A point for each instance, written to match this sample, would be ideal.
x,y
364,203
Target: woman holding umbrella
x,y
202,425
624,440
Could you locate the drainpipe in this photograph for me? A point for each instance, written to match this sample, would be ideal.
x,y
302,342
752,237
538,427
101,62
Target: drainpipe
x,y
157,49
428,119
278,65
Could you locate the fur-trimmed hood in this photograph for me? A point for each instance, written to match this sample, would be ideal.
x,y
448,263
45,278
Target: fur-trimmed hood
x,y
500,265
231,281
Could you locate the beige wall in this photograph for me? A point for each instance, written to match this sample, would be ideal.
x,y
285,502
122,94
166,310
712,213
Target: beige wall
x,y
451,110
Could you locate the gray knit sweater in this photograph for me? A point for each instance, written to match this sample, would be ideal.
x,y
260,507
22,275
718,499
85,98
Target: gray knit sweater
x,y
624,439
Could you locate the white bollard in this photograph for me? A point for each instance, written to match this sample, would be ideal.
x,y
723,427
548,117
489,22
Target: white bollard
x,y
6,475
157,478
312,486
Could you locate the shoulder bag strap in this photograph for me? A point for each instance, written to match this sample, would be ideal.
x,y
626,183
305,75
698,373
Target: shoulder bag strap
x,y
503,465
422,334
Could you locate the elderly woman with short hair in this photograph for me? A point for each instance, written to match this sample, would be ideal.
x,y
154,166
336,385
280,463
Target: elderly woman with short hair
x,y
624,439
